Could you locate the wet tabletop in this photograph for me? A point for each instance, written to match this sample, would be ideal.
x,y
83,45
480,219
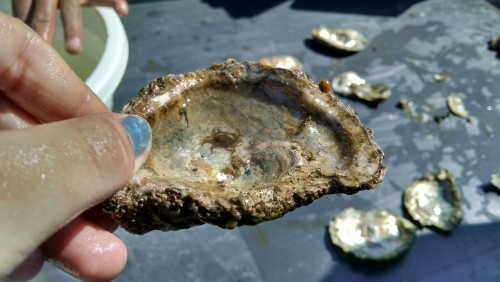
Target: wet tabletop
x,y
409,42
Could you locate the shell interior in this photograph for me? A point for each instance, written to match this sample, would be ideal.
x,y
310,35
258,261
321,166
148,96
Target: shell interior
x,y
240,143
372,235
344,82
282,61
441,77
435,201
456,105
341,39
495,180
350,84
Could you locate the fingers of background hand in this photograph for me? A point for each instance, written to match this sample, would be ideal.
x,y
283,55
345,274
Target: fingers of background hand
x,y
86,251
43,19
51,173
120,6
72,22
35,78
21,9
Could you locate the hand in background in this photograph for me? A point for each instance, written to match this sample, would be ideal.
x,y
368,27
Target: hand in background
x,y
61,153
41,16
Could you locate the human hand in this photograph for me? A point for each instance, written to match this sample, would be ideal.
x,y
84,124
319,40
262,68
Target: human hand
x,y
41,16
61,152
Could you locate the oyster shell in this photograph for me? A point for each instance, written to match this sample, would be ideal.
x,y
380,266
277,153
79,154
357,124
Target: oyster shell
x,y
495,180
372,235
372,92
350,84
494,43
435,201
341,39
456,105
441,77
346,81
282,61
241,143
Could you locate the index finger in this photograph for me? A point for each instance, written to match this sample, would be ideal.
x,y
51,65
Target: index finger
x,y
35,78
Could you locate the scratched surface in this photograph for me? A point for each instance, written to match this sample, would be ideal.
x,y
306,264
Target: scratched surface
x,y
409,42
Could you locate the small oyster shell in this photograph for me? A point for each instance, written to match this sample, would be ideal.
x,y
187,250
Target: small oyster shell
x,y
495,180
341,39
494,43
441,77
346,81
372,235
241,143
410,108
282,61
435,201
350,84
372,92
456,105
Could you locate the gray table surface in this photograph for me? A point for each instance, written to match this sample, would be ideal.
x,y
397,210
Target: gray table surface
x,y
409,42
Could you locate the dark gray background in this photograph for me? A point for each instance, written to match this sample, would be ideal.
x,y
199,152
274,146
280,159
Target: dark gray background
x,y
409,42
408,45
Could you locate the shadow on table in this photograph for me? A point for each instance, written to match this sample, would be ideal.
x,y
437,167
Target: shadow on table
x,y
368,7
495,3
243,9
248,9
325,50
471,252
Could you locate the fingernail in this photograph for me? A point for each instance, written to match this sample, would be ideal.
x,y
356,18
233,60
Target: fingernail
x,y
138,131
74,45
122,8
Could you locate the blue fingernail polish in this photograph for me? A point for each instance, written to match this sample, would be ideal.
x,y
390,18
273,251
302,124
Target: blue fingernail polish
x,y
138,131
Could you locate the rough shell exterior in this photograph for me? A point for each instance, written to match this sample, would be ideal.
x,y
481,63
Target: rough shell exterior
x,y
181,191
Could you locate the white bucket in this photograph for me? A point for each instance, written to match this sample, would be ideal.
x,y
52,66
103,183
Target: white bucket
x,y
104,58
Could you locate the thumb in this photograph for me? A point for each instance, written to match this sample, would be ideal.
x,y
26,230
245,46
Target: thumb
x,y
51,173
